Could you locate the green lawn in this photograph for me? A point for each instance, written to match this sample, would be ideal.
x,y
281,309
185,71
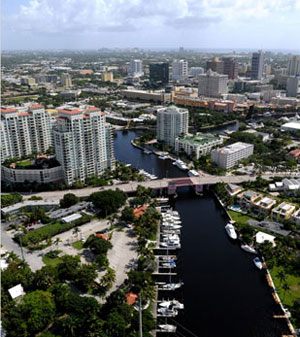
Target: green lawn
x,y
294,283
78,245
239,217
51,261
24,163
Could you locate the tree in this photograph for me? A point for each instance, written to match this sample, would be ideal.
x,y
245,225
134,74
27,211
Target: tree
x,y
45,278
85,276
109,201
67,269
97,245
127,214
281,275
68,200
57,241
10,199
76,231
108,279
285,288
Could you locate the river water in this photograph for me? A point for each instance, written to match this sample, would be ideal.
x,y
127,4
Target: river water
x,y
224,294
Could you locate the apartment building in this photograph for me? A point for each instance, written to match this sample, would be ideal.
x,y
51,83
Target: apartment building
x,y
228,156
82,143
198,145
136,68
283,211
257,65
179,70
172,122
24,131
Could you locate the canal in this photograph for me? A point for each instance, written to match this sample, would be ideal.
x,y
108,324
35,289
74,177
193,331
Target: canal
x,y
224,294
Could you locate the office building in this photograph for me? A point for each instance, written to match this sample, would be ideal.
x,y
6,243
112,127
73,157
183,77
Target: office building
x,y
143,95
159,73
66,81
179,70
230,68
215,65
212,84
108,76
136,68
257,65
26,80
196,71
198,145
172,122
81,143
292,86
294,66
24,131
228,156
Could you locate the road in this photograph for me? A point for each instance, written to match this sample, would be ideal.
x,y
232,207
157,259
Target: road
x,y
158,184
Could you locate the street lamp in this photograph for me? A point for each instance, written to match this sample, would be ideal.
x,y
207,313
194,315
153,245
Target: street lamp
x,y
20,239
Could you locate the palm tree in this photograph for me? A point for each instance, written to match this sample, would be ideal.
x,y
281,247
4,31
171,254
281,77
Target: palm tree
x,y
57,241
76,231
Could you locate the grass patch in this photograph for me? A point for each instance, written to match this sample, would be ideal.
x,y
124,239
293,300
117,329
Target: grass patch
x,y
238,217
51,258
78,245
294,283
23,164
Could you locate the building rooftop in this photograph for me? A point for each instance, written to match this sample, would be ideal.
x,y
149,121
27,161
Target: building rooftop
x,y
261,237
71,217
199,139
234,147
16,291
292,125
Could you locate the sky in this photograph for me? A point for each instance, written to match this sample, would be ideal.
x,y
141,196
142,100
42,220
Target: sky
x,y
203,24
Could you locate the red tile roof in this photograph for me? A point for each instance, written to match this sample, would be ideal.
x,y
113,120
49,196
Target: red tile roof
x,y
295,153
137,212
103,236
36,106
6,110
93,108
25,113
70,112
131,298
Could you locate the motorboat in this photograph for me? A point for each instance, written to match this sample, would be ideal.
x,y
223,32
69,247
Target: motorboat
x,y
177,305
167,327
168,258
170,237
193,173
171,303
171,226
231,231
167,312
170,245
162,200
248,249
147,152
258,263
163,157
180,164
170,264
171,286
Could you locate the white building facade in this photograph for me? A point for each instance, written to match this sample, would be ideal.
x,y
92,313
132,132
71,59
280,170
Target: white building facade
x,y
172,122
212,84
81,143
136,68
228,156
179,70
24,131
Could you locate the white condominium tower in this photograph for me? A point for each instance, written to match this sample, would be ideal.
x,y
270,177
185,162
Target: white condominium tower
x,y
82,143
212,84
136,68
179,70
294,66
24,131
172,122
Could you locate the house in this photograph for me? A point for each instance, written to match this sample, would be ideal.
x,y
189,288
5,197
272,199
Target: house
x,y
131,298
16,291
3,264
264,205
139,211
283,211
291,186
233,189
262,237
294,155
247,198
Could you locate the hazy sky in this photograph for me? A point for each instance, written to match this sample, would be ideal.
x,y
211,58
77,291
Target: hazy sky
x,y
92,24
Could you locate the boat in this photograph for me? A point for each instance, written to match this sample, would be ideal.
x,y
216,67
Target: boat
x,y
231,231
170,264
180,164
168,258
248,249
171,286
162,200
258,263
163,157
193,173
167,312
147,152
171,226
174,245
177,305
167,328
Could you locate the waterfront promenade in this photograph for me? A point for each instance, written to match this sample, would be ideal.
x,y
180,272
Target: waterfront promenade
x,y
154,184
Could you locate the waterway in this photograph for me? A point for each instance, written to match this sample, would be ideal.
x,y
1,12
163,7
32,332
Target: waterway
x,y
223,293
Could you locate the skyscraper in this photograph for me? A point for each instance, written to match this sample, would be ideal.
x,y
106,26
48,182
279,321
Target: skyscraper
x,y
257,65
24,131
159,73
294,66
179,70
82,143
231,68
215,65
212,84
172,122
136,68
66,81
292,86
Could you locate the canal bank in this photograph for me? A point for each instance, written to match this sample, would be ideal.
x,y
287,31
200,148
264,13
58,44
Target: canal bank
x,y
223,293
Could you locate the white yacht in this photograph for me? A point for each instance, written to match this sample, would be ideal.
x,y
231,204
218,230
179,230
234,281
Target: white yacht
x,y
171,286
231,231
147,151
193,173
167,327
248,249
257,262
170,245
163,157
167,312
181,165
